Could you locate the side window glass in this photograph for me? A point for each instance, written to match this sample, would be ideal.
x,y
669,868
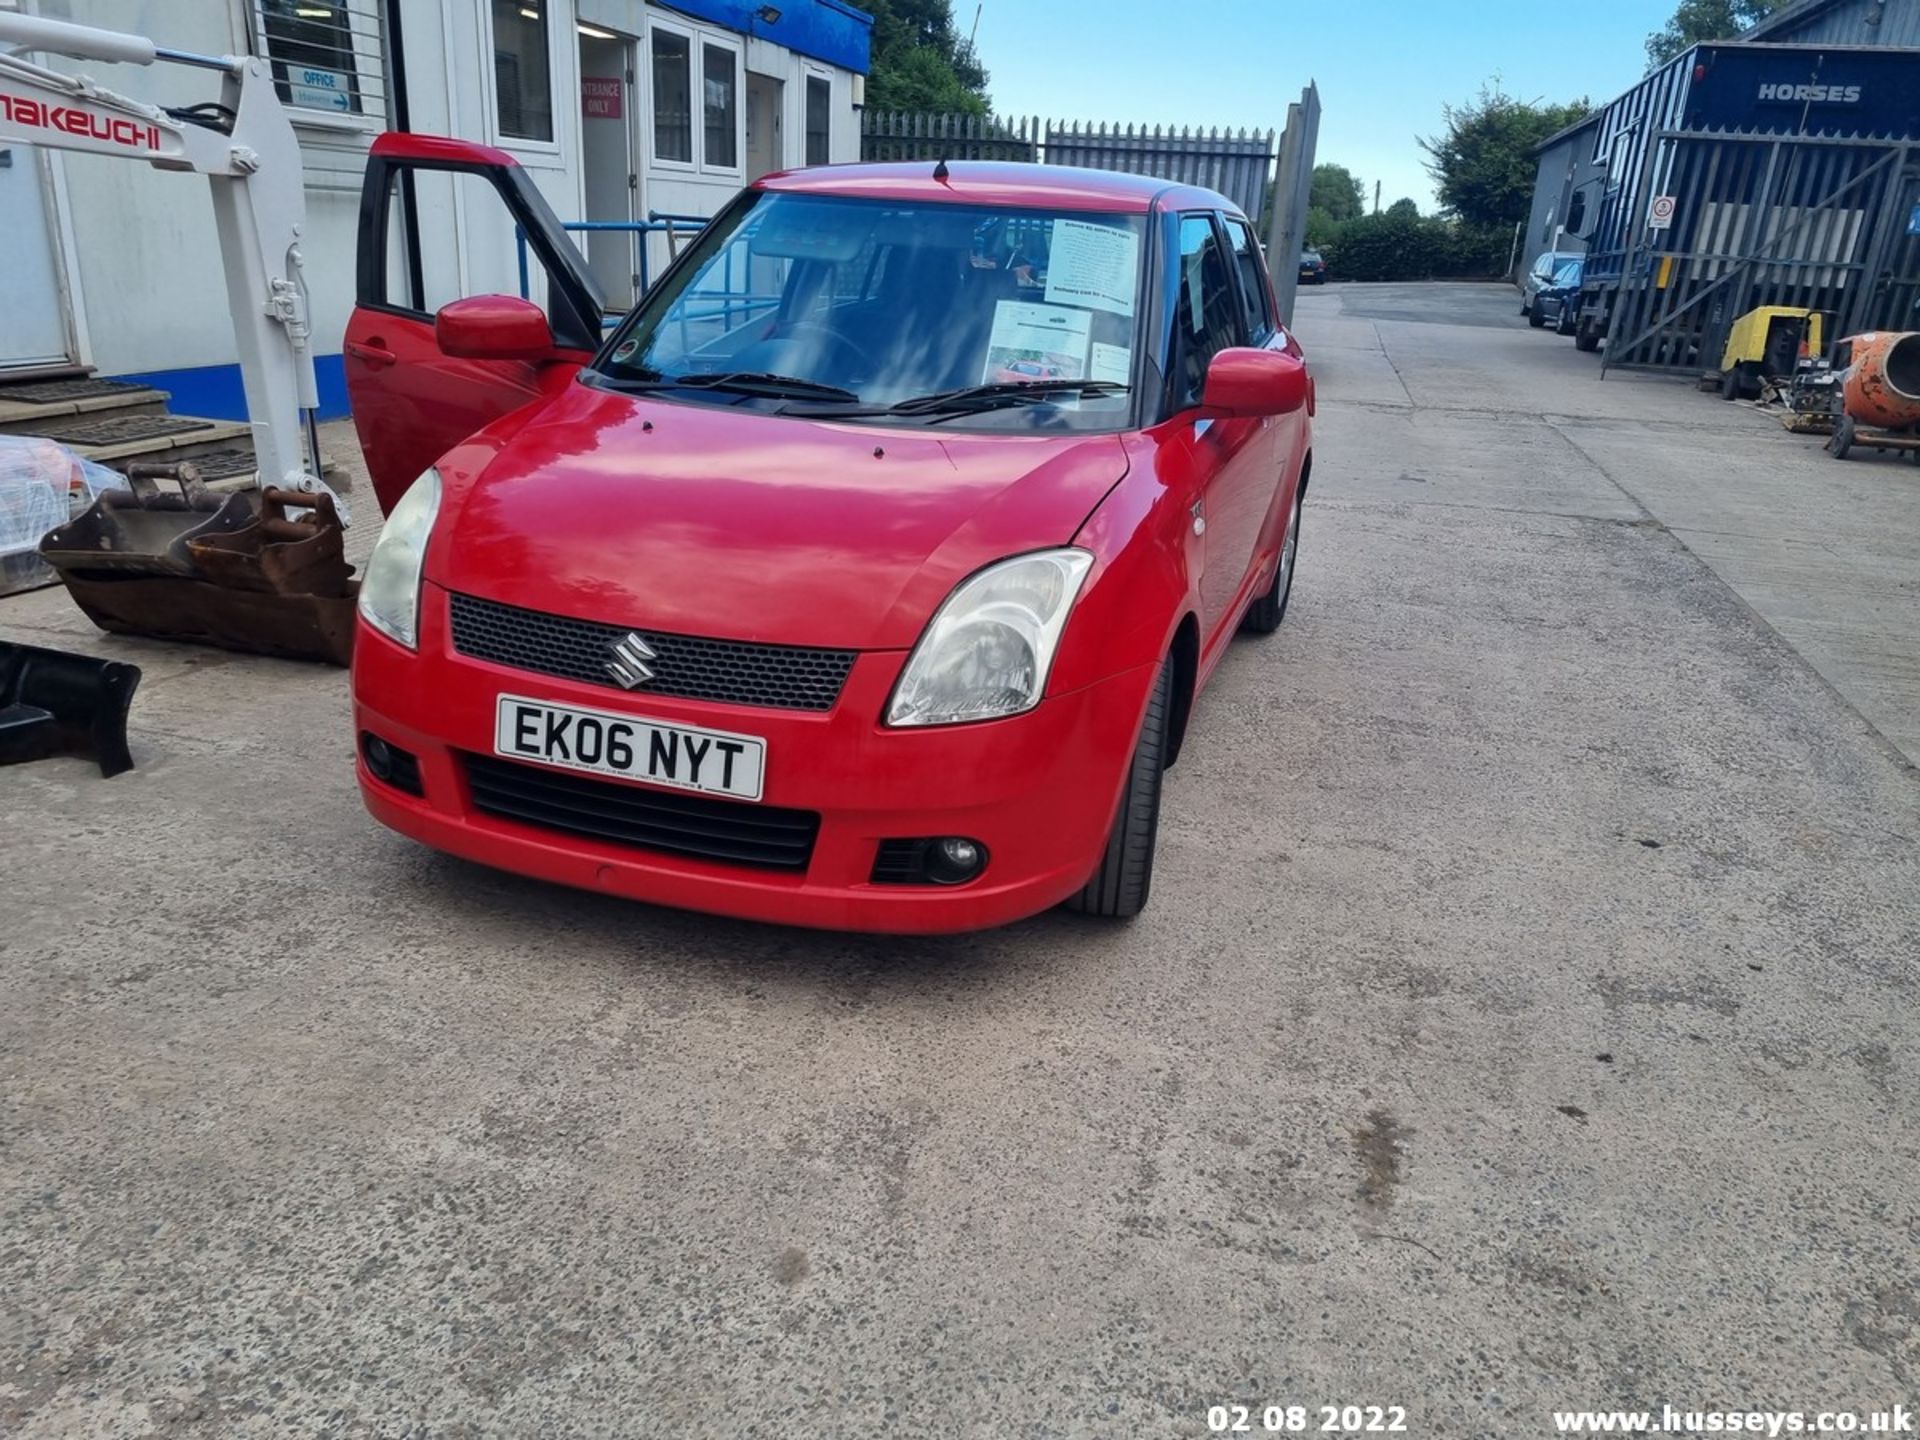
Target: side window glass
x,y
1253,279
494,259
672,96
523,75
1208,317
718,92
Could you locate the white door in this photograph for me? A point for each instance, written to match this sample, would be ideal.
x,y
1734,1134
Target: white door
x,y
765,146
606,120
34,328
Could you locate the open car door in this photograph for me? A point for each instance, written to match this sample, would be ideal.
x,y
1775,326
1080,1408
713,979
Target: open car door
x,y
411,401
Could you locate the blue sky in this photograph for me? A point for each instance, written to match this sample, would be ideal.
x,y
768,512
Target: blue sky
x,y
1384,69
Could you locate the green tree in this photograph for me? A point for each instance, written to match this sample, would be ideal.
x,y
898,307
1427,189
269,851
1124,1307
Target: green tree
x,y
920,62
1404,208
1696,20
1338,191
1483,164
1321,229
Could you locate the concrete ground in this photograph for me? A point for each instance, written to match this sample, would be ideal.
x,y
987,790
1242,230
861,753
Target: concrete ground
x,y
1524,1020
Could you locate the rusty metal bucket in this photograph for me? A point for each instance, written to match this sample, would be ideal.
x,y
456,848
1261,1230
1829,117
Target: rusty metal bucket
x,y
276,555
141,532
292,627
208,571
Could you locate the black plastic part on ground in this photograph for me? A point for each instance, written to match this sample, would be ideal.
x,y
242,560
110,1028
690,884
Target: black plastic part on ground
x,y
56,703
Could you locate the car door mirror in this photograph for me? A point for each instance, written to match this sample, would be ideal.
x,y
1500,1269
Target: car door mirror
x,y
493,327
1245,381
1577,214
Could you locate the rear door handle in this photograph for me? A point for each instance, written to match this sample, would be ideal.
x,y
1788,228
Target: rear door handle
x,y
374,354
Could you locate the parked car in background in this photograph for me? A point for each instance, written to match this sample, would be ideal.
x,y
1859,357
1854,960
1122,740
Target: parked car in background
x,y
1313,270
1546,289
1558,304
810,595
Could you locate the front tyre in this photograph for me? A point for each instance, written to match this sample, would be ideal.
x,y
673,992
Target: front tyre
x,y
1263,617
1118,889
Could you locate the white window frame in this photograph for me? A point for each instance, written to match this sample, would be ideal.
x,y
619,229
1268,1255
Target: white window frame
x,y
370,73
491,87
720,40
810,72
696,127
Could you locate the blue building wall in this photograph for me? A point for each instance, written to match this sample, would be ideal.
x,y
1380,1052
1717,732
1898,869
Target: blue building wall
x,y
829,30
214,392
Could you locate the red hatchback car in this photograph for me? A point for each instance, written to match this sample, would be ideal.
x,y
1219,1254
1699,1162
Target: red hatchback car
x,y
781,601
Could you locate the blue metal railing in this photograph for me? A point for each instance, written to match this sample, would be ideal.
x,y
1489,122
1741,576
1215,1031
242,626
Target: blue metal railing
x,y
658,222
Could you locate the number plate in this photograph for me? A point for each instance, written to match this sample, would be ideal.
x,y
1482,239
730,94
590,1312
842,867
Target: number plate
x,y
630,748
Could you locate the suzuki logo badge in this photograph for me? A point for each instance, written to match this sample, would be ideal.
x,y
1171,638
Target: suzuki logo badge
x,y
629,666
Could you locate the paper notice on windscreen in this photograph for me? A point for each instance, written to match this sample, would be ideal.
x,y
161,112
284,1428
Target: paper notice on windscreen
x,y
1030,341
1110,362
1092,265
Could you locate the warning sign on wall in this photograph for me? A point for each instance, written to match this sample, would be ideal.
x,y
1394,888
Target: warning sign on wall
x,y
1660,213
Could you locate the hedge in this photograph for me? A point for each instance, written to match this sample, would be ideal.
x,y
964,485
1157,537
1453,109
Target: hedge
x,y
1402,247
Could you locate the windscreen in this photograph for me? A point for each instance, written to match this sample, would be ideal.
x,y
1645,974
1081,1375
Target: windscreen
x,y
892,301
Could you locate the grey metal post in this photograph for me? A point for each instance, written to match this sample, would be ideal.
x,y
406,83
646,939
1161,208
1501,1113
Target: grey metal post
x,y
1292,185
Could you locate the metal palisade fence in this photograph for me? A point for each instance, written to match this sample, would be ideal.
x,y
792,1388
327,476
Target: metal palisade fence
x,y
1235,163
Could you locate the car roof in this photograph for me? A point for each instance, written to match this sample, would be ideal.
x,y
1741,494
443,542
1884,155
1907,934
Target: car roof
x,y
983,182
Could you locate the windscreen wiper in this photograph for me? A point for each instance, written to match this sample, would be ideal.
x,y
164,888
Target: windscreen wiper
x,y
741,382
969,399
1008,392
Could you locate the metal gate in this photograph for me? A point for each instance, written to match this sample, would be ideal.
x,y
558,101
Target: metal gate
x,y
1893,297
1237,164
1808,221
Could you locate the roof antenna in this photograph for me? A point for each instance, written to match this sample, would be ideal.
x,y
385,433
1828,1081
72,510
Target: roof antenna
x,y
940,170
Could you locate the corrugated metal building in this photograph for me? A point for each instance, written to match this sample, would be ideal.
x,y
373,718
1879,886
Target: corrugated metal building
x,y
1571,165
1841,22
1567,171
1779,168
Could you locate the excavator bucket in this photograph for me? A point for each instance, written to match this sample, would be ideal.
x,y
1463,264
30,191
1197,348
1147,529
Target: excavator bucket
x,y
209,571
140,533
56,703
277,555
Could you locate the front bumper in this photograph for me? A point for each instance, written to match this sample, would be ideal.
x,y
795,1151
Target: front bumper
x,y
1039,790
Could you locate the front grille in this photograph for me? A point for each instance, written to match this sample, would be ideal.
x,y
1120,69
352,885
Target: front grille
x,y
730,831
781,677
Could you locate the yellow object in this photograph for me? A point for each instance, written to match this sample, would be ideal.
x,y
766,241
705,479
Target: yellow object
x,y
1747,341
1665,273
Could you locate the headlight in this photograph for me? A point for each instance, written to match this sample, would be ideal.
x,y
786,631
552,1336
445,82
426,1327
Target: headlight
x,y
989,647
390,593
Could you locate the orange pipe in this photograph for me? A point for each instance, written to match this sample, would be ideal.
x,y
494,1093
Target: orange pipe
x,y
1883,379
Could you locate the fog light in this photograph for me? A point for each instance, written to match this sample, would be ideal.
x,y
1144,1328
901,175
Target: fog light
x,y
389,764
379,758
953,860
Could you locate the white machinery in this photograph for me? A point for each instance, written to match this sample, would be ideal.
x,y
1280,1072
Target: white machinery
x,y
245,146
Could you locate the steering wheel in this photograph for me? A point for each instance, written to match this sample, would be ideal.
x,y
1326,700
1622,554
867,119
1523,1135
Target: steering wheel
x,y
849,349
